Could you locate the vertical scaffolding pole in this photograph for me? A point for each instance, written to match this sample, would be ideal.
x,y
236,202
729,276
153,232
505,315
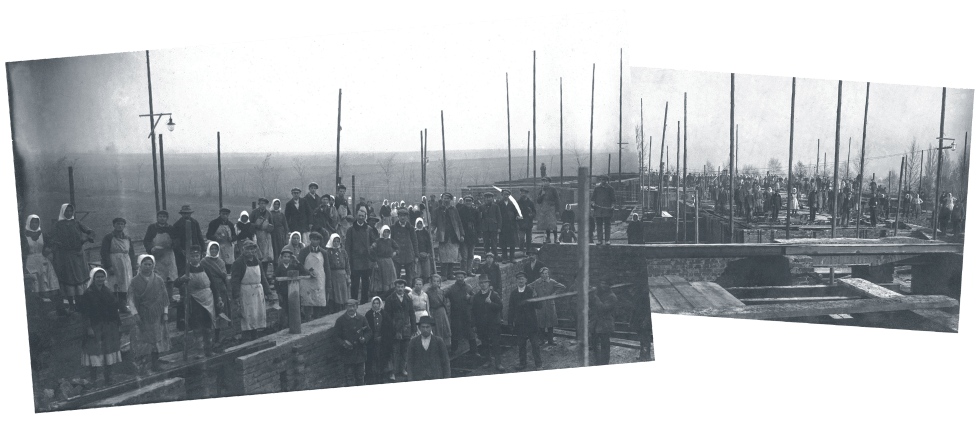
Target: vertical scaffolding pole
x,y
789,177
833,217
732,161
864,137
583,301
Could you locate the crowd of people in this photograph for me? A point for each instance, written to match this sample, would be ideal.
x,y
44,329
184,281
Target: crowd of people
x,y
225,272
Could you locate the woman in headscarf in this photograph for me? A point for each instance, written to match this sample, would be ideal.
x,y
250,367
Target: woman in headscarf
x,y
338,270
67,243
795,203
159,242
119,260
217,271
315,290
294,244
286,263
344,216
199,283
383,250
38,264
448,234
419,299
102,342
324,218
545,286
151,301
263,226
245,232
438,307
279,234
425,250
250,288
386,213
380,343
223,232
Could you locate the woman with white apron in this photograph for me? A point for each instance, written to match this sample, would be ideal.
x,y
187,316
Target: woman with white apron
x,y
225,236
159,243
119,259
314,290
261,217
199,287
250,286
338,268
38,265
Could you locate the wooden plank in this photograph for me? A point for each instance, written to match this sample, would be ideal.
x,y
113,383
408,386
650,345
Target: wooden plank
x,y
741,292
794,299
613,341
572,293
817,250
670,299
675,279
946,320
655,306
717,295
869,289
658,281
692,295
824,308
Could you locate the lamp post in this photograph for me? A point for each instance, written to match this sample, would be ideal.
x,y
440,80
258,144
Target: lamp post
x,y
938,185
152,129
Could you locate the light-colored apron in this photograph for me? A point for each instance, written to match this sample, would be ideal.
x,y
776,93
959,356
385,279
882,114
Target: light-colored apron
x,y
38,265
253,313
165,259
223,235
313,290
121,264
199,288
265,248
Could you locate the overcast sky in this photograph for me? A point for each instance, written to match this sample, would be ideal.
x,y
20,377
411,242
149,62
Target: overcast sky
x,y
282,95
896,115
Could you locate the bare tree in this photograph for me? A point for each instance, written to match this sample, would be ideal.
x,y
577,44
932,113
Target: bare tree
x,y
386,166
301,166
709,167
774,166
912,165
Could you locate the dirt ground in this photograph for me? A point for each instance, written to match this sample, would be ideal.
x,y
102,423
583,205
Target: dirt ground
x,y
561,356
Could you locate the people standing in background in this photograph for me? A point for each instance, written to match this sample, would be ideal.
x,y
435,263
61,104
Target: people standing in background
x,y
425,251
382,251
263,226
119,260
448,234
602,204
359,239
279,234
297,214
491,219
179,237
217,271
548,205
222,231
508,229
405,236
569,217
68,239
101,345
338,268
470,230
314,291
528,217
312,200
37,263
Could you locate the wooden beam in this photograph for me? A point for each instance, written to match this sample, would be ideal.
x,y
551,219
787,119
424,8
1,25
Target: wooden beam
x,y
868,289
823,308
571,293
717,295
613,341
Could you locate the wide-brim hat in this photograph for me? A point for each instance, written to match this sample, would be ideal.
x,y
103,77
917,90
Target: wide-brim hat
x,y
186,210
426,320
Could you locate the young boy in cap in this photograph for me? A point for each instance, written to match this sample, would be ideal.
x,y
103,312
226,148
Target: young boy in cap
x,y
351,334
427,356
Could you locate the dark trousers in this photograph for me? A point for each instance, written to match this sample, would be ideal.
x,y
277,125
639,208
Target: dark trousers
x,y
466,252
775,211
603,228
524,238
507,242
813,213
491,242
282,289
533,339
874,216
489,341
602,344
408,267
400,355
360,284
358,372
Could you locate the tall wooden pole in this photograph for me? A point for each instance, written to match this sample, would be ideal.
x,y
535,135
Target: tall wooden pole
x,y
938,172
833,217
620,124
426,161
528,153
848,176
534,167
732,162
684,173
609,156
864,137
592,100
152,133
583,300
816,168
642,174
560,130
444,151
186,296
162,171
423,164
508,113
338,179
677,198
789,177
901,171
220,176
660,186
71,186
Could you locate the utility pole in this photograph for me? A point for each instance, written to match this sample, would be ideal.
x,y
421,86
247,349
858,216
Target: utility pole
x,y
534,167
789,176
560,130
901,171
620,130
732,152
162,172
684,174
660,186
864,137
938,171
592,100
508,113
833,218
220,176
444,150
338,179
152,133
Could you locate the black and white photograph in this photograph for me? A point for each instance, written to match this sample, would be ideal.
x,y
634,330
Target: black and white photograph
x,y
275,216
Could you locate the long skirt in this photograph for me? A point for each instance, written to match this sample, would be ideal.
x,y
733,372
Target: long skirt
x,y
72,271
104,347
265,247
119,281
46,279
253,313
384,276
547,217
151,335
442,325
447,252
340,286
424,266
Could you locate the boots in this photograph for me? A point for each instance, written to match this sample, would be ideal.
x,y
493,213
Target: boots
x,y
108,375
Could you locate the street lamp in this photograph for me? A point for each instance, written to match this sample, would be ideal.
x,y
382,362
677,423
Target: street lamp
x,y
171,125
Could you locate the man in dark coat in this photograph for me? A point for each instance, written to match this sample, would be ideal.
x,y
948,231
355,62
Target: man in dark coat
x,y
469,229
312,200
492,270
297,214
740,199
640,321
400,318
427,356
351,333
775,202
604,306
522,317
179,237
845,208
459,312
491,219
749,205
486,315
359,238
404,235
814,203
602,206
533,269
528,217
509,226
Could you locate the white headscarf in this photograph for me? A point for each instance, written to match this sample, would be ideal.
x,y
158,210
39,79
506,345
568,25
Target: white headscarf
x,y
293,234
418,222
91,275
27,224
273,202
143,257
243,214
212,243
333,237
385,229
64,207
